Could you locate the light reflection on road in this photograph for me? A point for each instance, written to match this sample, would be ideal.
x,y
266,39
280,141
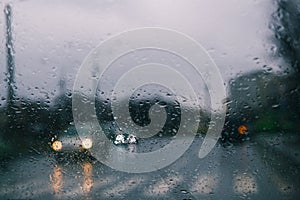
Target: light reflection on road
x,y
244,184
87,178
164,186
56,180
204,184
58,184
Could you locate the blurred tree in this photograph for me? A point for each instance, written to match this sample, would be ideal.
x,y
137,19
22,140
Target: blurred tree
x,y
286,25
286,21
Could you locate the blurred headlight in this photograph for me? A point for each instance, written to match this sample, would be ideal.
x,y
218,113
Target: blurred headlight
x,y
56,145
87,143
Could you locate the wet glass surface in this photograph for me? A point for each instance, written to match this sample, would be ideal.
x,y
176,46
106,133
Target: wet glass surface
x,y
46,154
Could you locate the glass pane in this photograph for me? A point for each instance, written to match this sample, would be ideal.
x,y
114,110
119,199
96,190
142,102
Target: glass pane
x,y
149,99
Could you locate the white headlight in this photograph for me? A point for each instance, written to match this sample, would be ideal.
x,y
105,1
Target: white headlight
x,y
87,143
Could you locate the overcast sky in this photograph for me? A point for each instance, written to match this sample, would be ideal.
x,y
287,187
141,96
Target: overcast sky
x,y
52,38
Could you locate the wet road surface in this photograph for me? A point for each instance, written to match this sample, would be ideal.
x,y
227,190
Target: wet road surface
x,y
267,166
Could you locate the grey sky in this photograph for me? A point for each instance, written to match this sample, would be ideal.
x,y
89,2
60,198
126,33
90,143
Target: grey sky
x,y
53,37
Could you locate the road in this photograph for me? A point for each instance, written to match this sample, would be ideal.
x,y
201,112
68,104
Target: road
x,y
267,166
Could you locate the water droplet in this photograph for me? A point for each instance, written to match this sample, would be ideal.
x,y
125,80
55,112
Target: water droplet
x,y
184,191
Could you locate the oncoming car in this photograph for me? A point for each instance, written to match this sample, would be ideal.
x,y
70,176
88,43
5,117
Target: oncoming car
x,y
68,142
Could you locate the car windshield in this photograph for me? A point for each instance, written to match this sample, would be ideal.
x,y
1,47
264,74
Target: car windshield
x,y
149,99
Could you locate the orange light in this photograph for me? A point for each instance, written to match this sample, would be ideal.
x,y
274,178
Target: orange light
x,y
57,145
242,129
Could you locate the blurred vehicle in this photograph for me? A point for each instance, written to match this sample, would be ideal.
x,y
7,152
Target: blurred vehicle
x,y
125,138
68,143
